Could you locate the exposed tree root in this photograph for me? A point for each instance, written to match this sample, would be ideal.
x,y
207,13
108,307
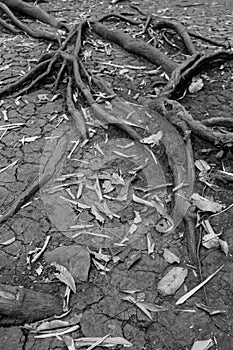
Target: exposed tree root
x,y
38,183
33,33
66,57
190,235
35,12
181,31
135,46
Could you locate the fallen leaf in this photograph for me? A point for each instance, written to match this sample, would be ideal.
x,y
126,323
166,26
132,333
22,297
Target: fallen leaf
x,y
202,165
153,139
224,246
69,341
135,257
109,342
196,85
170,257
49,325
58,332
172,281
205,204
75,258
210,310
202,344
65,276
8,242
195,289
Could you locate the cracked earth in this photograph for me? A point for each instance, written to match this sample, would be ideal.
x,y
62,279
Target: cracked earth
x,y
42,116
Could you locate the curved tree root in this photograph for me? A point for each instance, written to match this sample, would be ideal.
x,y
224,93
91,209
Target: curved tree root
x,y
77,117
137,47
9,27
39,182
181,31
35,12
33,33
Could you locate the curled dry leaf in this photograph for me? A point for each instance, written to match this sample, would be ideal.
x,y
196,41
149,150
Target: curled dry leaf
x,y
65,276
172,281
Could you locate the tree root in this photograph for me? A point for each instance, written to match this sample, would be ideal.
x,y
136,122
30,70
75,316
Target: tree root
x,y
9,27
181,31
137,47
191,235
34,12
33,33
77,117
38,183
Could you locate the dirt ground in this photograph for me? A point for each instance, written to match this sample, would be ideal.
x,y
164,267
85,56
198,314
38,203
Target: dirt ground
x,y
98,300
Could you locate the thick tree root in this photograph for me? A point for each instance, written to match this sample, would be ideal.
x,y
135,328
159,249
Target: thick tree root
x,y
137,47
19,305
34,12
33,33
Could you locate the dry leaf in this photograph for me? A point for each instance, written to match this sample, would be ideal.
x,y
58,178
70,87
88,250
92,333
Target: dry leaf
x,y
109,342
172,281
135,257
58,332
196,85
75,258
202,165
153,139
205,204
65,276
50,325
69,341
8,242
195,289
210,310
224,246
170,257
202,344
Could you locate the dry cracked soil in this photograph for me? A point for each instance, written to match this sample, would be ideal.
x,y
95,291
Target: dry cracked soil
x,y
120,237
